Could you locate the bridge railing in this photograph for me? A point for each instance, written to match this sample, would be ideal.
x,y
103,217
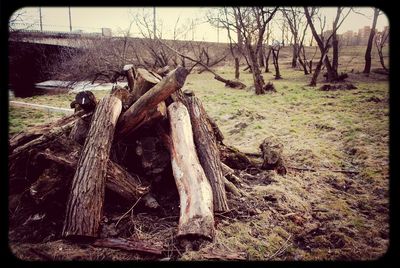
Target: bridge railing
x,y
55,30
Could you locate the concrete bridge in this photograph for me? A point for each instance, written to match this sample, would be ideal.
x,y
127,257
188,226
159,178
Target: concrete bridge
x,y
31,52
67,39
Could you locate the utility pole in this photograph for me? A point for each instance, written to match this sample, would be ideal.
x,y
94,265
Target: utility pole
x,y
218,31
192,31
40,17
70,24
154,22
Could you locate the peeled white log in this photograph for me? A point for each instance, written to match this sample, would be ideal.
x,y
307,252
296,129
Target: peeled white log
x,y
196,198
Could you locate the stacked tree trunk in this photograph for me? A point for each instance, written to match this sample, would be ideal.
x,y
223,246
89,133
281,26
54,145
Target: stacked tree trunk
x,y
146,130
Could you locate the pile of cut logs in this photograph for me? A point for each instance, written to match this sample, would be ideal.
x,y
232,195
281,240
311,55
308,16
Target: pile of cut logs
x,y
88,153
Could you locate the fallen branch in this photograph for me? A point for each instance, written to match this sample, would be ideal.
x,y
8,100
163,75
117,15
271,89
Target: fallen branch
x,y
229,83
127,244
332,170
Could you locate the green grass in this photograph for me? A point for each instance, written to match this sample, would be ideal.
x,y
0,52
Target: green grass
x,y
62,100
22,118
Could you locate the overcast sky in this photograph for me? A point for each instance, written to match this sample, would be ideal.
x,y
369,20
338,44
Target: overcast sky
x,y
91,19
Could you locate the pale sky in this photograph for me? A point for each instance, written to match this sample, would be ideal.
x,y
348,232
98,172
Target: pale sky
x,y
91,19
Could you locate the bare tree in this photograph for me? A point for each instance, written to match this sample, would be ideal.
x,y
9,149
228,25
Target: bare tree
x,y
223,18
367,67
323,42
252,22
19,21
275,48
335,40
294,18
380,42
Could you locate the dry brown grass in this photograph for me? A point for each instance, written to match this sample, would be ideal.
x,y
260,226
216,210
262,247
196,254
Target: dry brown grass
x,y
304,215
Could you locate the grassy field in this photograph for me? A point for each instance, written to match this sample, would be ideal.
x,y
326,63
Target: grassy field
x,y
304,215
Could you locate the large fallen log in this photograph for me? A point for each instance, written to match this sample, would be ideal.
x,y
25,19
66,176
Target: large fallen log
x,y
140,111
207,150
196,200
85,203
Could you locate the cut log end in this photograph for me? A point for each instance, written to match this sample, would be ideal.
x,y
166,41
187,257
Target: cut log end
x,y
197,228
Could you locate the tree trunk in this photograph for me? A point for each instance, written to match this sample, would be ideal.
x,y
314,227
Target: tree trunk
x,y
207,150
196,199
237,68
367,67
302,62
382,60
295,55
332,75
303,65
267,61
261,57
335,53
85,203
257,77
141,109
317,70
275,58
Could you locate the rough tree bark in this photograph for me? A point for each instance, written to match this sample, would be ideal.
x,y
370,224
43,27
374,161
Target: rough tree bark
x,y
257,77
85,202
317,70
196,199
237,73
140,111
295,54
207,150
261,56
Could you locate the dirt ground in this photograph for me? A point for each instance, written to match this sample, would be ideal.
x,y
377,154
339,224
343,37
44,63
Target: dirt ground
x,y
333,204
